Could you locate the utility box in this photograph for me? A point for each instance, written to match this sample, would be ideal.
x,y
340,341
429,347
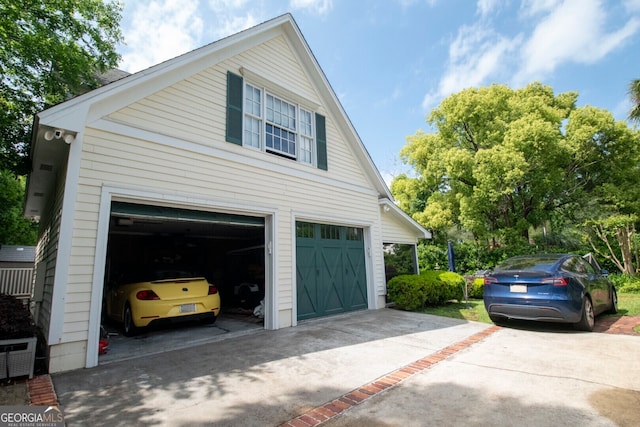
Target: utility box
x,y
17,357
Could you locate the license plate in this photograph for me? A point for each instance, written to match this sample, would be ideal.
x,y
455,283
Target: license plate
x,y
187,308
521,289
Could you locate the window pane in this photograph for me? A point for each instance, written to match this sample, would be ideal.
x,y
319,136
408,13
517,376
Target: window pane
x,y
354,233
252,128
281,113
331,232
305,150
281,140
252,101
305,229
305,123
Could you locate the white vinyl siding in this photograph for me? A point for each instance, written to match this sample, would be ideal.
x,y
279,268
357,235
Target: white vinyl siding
x,y
136,163
194,109
394,230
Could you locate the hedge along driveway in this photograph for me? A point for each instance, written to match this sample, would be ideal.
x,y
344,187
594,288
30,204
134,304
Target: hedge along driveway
x,y
414,291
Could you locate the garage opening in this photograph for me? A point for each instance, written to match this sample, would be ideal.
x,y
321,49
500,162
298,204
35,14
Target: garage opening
x,y
156,242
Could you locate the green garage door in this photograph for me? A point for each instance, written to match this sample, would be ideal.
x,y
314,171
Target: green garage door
x,y
330,270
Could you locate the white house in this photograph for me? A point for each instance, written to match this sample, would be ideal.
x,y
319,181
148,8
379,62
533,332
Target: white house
x,y
236,157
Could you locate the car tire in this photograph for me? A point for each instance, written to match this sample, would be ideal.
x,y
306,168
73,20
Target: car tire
x,y
587,320
613,309
130,329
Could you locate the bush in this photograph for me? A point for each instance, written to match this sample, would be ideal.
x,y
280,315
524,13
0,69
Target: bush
x,y
625,283
407,291
412,292
476,287
15,319
454,286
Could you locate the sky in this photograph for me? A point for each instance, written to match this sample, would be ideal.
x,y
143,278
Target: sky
x,y
390,62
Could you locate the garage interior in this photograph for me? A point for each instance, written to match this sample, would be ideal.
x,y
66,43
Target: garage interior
x,y
227,249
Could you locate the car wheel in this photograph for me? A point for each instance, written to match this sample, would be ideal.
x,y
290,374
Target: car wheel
x,y
130,329
588,316
613,309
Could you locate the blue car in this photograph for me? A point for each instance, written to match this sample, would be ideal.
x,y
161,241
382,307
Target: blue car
x,y
549,288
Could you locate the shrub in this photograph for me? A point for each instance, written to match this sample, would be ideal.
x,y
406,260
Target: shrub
x,y
454,286
412,292
435,287
476,288
625,283
407,291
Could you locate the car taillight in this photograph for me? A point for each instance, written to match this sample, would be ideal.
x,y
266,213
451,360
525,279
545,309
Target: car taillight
x,y
147,295
555,281
490,280
212,290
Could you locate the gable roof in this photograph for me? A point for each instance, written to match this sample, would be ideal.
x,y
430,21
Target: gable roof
x,y
71,116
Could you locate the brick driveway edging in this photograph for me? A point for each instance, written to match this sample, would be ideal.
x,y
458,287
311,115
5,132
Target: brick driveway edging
x,y
329,410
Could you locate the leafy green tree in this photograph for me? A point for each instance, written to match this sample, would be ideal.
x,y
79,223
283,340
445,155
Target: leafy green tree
x,y
634,92
504,161
15,229
49,50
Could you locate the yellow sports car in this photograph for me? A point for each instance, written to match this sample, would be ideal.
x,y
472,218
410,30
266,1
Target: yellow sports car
x,y
175,295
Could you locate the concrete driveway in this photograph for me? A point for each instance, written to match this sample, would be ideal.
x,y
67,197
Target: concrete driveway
x,y
370,368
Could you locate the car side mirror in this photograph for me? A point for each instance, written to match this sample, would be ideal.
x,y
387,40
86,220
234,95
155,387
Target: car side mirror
x,y
604,273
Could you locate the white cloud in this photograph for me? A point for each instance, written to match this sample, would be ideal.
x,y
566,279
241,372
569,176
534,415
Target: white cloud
x,y
571,31
160,30
232,16
485,7
632,6
476,55
562,31
531,8
318,7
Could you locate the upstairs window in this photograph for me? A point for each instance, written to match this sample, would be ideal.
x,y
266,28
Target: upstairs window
x,y
252,116
266,122
281,127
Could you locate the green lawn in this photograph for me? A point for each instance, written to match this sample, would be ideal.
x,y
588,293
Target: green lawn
x,y
628,305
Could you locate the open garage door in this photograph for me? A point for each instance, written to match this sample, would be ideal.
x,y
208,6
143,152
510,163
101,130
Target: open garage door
x,y
226,249
330,270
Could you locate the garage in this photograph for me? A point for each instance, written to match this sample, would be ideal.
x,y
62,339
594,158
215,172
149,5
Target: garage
x,y
330,269
227,249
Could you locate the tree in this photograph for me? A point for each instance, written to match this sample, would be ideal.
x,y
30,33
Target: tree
x,y
503,161
634,92
50,50
624,254
15,229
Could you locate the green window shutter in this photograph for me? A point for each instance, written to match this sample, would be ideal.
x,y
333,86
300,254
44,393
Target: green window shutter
x,y
234,108
321,142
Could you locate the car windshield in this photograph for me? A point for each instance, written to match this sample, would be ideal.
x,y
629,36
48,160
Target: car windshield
x,y
529,263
